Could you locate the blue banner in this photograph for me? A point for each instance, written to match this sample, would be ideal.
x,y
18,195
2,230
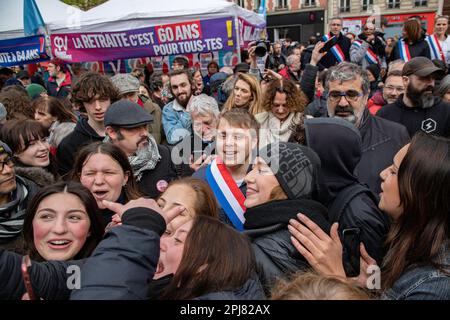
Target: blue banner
x,y
18,51
32,19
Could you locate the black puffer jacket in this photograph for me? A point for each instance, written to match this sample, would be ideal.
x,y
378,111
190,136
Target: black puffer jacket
x,y
266,225
82,135
339,153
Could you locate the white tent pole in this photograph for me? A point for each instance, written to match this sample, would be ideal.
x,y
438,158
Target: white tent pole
x,y
238,38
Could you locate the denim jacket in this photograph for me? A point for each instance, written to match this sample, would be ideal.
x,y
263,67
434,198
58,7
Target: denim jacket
x,y
423,282
176,122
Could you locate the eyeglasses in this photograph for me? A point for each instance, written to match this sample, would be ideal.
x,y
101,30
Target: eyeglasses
x,y
8,161
350,95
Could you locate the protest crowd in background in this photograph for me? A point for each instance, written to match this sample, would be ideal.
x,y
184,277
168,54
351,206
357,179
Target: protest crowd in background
x,y
323,175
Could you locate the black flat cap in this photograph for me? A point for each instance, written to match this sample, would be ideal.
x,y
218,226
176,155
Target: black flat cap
x,y
127,114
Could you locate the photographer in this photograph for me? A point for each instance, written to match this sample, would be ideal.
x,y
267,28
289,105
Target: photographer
x,y
276,61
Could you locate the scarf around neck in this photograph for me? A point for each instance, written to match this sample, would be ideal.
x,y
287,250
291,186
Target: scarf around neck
x,y
12,214
144,159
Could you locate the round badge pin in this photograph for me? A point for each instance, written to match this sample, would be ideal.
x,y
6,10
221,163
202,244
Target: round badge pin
x,y
161,185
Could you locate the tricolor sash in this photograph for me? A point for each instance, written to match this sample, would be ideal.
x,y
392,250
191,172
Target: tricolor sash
x,y
227,192
336,50
370,56
403,49
435,47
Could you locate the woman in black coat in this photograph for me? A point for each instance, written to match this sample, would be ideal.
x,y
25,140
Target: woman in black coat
x,y
280,185
412,44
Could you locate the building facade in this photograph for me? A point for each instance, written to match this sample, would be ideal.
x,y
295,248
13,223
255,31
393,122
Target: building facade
x,y
355,13
294,19
300,19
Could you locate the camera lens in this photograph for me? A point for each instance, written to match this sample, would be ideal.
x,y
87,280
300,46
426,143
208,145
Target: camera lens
x,y
261,49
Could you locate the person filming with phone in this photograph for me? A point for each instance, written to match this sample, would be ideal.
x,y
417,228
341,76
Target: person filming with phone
x,y
337,45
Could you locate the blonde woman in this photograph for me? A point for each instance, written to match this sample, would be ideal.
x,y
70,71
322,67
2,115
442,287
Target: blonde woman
x,y
246,94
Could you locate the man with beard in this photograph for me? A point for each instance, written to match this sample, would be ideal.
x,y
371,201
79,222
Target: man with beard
x,y
276,61
126,125
175,119
417,109
59,82
348,91
392,89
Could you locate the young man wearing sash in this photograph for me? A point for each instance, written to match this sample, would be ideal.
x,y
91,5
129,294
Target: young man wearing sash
x,y
439,42
368,48
340,51
237,136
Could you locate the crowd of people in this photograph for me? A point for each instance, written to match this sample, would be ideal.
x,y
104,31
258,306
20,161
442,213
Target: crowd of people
x,y
325,176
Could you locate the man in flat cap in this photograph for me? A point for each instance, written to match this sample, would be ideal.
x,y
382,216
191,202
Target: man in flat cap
x,y
126,125
418,109
15,193
128,89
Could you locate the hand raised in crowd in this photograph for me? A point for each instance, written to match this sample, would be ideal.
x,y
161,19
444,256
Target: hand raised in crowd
x,y
316,54
271,74
323,253
120,209
252,55
200,162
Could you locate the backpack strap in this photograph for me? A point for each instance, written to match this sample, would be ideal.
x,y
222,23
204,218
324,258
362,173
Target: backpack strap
x,y
346,195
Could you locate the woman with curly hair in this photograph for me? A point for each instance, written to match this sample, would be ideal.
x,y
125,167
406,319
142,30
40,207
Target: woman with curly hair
x,y
17,103
283,106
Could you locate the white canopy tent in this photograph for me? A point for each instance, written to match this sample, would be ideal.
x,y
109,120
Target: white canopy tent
x,y
11,15
117,15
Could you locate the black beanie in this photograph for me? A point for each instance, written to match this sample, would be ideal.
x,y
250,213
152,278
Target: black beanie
x,y
296,168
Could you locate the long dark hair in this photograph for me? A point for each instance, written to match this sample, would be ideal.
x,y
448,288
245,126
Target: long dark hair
x,y
215,258
130,190
77,189
423,228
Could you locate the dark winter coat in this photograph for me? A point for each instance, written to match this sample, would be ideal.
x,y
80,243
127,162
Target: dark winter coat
x,y
318,107
164,170
434,120
266,225
329,59
61,91
82,135
134,247
381,140
417,49
49,279
340,152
